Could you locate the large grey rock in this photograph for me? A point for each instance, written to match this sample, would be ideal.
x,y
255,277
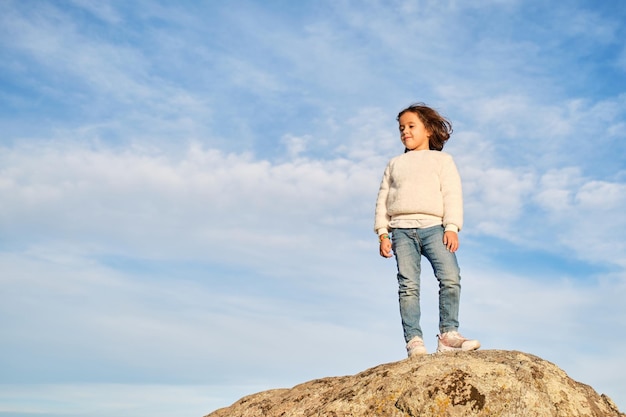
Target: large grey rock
x,y
482,383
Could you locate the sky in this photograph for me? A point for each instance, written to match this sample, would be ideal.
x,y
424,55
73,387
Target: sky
x,y
187,192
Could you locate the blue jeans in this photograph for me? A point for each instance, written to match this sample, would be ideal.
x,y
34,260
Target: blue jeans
x,y
408,246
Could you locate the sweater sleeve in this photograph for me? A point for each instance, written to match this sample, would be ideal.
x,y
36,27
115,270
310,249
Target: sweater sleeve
x,y
382,218
452,193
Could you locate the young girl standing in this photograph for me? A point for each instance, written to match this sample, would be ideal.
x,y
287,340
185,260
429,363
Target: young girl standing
x,y
420,202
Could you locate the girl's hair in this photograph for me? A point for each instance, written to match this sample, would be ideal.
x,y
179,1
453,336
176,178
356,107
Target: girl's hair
x,y
439,127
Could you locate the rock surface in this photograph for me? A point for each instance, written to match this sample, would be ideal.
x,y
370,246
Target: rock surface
x,y
482,383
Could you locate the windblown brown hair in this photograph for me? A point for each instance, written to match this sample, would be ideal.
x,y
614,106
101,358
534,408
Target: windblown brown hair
x,y
439,127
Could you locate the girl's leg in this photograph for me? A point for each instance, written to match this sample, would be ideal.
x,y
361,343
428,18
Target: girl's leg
x,y
446,269
406,247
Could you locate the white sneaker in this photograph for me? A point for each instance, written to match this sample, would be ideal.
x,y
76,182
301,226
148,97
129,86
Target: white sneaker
x,y
453,341
416,347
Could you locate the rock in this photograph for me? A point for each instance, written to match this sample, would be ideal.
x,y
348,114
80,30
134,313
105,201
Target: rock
x,y
482,383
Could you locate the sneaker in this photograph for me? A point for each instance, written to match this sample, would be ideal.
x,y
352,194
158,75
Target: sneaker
x,y
416,347
453,341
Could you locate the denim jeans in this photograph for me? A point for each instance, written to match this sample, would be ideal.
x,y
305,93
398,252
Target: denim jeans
x,y
408,246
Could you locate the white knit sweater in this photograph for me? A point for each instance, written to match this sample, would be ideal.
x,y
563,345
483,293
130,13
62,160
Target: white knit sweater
x,y
420,189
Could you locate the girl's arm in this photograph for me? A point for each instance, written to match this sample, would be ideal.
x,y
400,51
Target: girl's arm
x,y
382,217
452,205
452,194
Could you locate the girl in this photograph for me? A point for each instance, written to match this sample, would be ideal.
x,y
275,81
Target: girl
x,y
421,203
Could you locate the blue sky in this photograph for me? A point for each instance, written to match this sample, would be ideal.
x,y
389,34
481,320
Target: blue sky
x,y
187,192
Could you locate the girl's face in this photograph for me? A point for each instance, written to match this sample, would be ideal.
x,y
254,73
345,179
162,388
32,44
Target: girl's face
x,y
413,133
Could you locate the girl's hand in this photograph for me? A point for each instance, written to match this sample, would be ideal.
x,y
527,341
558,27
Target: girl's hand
x,y
385,248
451,241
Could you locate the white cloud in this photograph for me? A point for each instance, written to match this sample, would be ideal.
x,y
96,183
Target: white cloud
x,y
101,400
496,197
537,210
205,205
602,195
556,189
295,145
